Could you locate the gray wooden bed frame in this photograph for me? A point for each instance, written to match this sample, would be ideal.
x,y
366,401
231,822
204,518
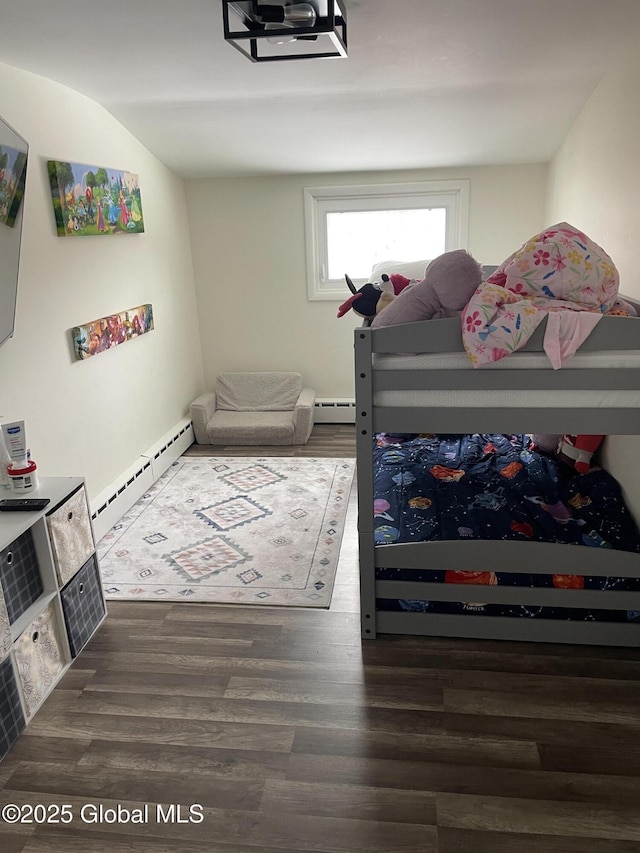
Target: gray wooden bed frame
x,y
611,333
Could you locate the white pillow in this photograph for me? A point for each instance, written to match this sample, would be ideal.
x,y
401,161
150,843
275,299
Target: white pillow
x,y
410,269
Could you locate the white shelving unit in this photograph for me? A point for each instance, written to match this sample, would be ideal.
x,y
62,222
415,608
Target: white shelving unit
x,y
51,598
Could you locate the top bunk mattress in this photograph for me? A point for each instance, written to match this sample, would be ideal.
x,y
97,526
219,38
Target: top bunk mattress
x,y
604,373
512,397
516,361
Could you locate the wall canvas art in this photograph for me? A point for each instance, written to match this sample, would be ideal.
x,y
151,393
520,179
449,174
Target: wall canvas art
x,y
109,332
13,169
93,200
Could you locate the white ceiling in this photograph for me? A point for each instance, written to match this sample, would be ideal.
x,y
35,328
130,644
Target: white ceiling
x,y
428,83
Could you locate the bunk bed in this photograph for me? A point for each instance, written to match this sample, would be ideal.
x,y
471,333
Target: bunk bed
x,y
416,378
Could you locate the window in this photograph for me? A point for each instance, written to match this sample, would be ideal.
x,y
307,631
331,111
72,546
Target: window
x,y
349,229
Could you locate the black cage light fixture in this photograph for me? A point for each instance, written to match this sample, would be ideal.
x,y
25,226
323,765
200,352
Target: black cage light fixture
x,y
269,32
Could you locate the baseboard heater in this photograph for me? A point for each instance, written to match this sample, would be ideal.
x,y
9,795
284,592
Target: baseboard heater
x,y
114,501
339,410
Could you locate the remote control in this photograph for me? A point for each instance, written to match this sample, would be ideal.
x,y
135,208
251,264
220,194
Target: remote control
x,y
23,504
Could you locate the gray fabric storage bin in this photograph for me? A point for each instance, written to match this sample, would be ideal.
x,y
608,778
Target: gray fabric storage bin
x,y
39,658
12,720
82,605
20,576
70,535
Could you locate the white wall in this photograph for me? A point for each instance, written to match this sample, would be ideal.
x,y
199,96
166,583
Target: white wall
x,y
594,180
594,183
248,248
95,417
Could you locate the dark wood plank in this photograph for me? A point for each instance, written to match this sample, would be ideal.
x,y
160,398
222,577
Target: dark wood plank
x,y
182,670
135,785
230,613
401,746
173,712
505,704
216,762
183,646
161,731
599,758
577,820
76,678
581,735
48,749
212,630
354,802
335,693
344,835
158,683
82,840
12,842
431,653
466,779
474,841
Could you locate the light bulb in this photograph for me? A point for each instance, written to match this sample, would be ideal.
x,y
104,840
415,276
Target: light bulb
x,y
281,39
297,14
300,13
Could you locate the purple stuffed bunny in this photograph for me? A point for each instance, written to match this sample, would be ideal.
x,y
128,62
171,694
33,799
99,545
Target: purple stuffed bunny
x,y
449,282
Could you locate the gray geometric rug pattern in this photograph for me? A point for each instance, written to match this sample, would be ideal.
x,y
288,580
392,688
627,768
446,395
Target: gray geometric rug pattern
x,y
230,530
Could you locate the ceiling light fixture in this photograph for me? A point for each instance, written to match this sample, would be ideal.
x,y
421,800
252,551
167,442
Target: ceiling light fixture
x,y
268,32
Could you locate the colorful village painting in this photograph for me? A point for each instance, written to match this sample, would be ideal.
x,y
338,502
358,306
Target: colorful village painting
x,y
108,332
13,169
93,200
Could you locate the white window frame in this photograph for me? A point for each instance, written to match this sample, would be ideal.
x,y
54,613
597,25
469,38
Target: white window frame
x,y
318,201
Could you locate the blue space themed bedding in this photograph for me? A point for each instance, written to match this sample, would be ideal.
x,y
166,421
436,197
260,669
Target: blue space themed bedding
x,y
495,487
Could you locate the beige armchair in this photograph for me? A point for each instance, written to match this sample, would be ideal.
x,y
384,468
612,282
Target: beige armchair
x,y
254,408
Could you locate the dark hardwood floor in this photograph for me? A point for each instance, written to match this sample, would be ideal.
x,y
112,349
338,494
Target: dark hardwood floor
x,y
332,440
293,735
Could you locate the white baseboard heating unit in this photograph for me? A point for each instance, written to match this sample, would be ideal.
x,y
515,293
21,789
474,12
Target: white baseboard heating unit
x,y
114,501
338,410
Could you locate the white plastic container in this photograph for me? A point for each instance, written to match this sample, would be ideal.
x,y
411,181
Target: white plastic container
x,y
15,439
24,478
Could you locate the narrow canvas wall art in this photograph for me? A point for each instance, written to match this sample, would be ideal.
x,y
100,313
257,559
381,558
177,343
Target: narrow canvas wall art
x,y
13,168
107,332
93,200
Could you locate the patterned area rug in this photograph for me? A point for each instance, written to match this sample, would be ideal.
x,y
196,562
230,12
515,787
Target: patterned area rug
x,y
233,531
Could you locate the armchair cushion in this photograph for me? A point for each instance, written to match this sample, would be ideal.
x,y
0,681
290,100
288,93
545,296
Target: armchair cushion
x,y
258,392
303,416
202,410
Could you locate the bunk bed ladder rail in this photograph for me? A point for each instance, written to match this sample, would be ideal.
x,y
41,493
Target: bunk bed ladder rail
x,y
364,467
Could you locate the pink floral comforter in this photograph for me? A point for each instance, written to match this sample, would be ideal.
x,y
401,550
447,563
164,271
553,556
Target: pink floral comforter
x,y
560,274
